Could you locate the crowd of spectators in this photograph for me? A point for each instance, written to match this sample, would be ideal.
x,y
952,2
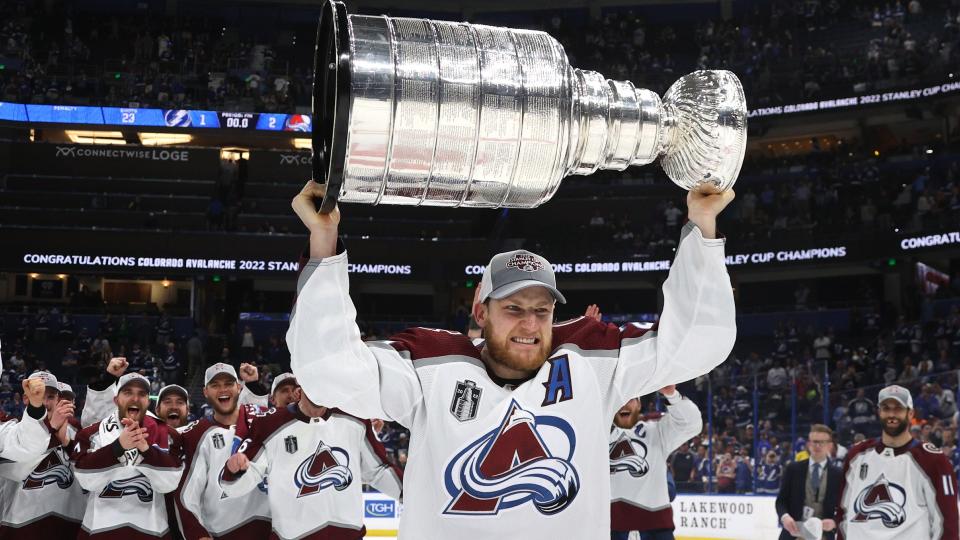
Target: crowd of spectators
x,y
784,51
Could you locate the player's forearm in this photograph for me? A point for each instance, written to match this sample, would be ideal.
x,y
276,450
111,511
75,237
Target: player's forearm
x,y
697,327
26,439
684,421
323,243
327,355
706,223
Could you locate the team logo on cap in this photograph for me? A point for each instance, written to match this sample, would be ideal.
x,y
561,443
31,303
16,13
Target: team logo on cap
x,y
329,466
882,500
629,454
525,262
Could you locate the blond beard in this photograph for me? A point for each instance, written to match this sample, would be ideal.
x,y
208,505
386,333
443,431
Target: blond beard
x,y
498,352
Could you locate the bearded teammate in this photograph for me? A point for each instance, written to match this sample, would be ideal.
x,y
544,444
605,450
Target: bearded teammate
x,y
638,465
896,487
126,462
283,391
173,406
41,498
99,403
202,509
316,459
511,431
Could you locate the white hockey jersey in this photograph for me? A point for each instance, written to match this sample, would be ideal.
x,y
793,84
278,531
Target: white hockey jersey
x,y
520,462
897,494
202,507
24,439
41,498
638,467
126,486
316,467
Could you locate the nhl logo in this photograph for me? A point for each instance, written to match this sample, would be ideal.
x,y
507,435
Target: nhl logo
x,y
863,471
218,441
466,401
291,444
525,262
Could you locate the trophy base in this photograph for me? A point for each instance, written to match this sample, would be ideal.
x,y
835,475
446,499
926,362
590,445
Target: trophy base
x,y
331,101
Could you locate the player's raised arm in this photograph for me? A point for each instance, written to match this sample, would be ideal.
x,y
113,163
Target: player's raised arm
x,y
683,422
331,362
697,327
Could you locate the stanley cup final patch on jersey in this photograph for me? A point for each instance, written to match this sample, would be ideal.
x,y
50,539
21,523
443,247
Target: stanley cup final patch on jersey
x,y
290,443
863,471
525,262
218,441
466,400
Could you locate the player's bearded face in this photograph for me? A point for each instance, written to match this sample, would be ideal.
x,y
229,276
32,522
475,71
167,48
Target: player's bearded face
x,y
519,329
894,418
222,393
173,410
628,415
132,402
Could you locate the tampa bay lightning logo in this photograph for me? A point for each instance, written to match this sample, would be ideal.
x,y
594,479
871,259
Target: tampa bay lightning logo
x,y
176,118
629,454
883,500
52,470
513,465
138,485
328,466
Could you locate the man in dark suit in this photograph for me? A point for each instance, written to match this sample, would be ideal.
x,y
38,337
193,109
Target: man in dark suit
x,y
810,487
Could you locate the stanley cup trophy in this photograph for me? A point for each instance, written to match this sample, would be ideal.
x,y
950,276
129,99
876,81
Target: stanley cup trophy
x,y
421,112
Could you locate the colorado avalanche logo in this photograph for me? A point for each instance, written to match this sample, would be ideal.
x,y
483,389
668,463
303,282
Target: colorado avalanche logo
x,y
138,485
50,471
323,470
883,500
512,465
630,455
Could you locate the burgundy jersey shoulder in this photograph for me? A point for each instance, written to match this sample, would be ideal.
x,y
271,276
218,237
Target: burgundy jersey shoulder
x,y
422,343
930,458
860,448
590,334
192,435
262,424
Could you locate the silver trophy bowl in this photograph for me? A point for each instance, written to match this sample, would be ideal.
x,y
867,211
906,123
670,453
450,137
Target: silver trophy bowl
x,y
421,112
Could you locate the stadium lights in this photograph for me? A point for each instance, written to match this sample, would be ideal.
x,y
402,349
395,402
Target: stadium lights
x,y
95,137
160,139
231,153
929,150
302,143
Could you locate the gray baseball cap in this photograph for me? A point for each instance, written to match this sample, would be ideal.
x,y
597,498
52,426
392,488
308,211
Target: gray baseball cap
x,y
218,369
283,378
898,393
174,388
513,271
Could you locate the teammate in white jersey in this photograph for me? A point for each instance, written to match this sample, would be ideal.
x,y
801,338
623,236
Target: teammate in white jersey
x,y
203,511
638,465
895,487
127,461
316,459
40,496
508,436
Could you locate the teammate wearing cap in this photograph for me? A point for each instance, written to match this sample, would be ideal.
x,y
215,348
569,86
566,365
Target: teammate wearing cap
x,y
512,429
202,511
639,449
40,496
100,393
316,459
284,390
173,406
126,461
895,487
